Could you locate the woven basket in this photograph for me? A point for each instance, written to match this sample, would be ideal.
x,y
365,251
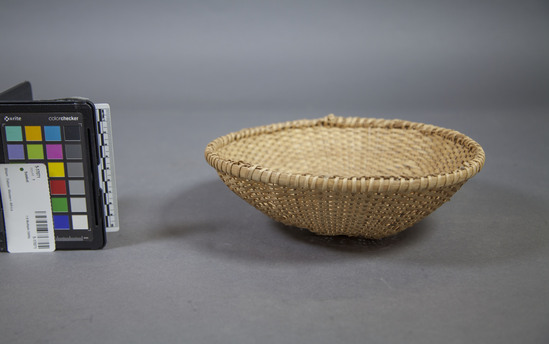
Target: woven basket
x,y
346,176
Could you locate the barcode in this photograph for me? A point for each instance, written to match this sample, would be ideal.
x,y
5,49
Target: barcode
x,y
42,232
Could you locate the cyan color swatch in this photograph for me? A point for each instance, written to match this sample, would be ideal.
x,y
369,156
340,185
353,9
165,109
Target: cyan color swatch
x,y
52,133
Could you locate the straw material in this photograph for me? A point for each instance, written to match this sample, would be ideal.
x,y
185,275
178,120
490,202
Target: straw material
x,y
346,176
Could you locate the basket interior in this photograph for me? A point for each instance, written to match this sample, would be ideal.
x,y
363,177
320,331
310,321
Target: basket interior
x,y
350,152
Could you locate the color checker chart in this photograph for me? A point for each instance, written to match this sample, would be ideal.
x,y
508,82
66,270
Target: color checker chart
x,y
58,141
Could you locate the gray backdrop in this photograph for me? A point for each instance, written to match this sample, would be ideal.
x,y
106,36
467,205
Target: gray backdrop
x,y
194,263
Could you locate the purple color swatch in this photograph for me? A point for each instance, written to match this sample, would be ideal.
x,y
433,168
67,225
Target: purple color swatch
x,y
54,152
16,152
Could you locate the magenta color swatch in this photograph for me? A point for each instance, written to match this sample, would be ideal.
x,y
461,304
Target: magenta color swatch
x,y
54,152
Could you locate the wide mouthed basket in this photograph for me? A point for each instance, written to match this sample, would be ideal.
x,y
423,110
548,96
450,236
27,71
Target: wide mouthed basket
x,y
346,176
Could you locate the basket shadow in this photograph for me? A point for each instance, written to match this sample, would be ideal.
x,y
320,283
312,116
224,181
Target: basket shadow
x,y
486,223
346,243
210,218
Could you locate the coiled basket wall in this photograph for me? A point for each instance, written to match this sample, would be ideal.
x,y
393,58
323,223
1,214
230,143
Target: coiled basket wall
x,y
346,176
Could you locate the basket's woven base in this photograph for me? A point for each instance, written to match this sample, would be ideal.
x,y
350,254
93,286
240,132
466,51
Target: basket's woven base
x,y
369,215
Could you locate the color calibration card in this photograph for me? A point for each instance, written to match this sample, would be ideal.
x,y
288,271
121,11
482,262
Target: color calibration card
x,y
68,145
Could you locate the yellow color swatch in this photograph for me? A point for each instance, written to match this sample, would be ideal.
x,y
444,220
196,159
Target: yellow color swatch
x,y
33,133
56,169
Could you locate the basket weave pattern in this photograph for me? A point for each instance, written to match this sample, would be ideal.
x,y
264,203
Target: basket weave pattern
x,y
346,176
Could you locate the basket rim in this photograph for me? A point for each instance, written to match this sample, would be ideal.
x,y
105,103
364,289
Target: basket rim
x,y
363,184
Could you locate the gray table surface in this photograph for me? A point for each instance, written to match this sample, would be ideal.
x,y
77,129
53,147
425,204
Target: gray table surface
x,y
194,263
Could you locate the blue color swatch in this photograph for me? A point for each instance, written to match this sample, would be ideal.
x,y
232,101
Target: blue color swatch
x,y
61,222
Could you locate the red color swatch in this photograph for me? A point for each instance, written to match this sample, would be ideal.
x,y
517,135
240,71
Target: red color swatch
x,y
58,187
